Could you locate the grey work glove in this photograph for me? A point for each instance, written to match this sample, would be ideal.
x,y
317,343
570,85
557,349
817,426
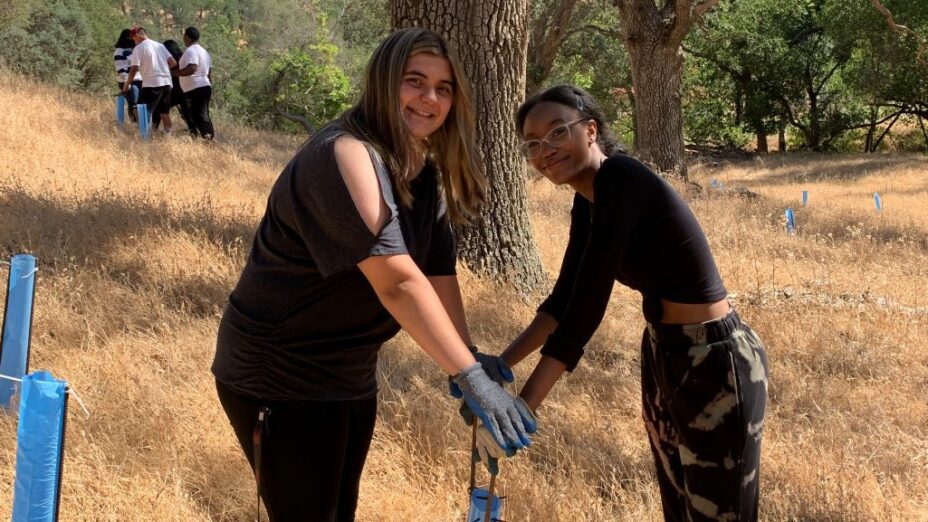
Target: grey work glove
x,y
507,419
498,370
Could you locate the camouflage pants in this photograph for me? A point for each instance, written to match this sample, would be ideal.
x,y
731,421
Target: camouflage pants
x,y
704,389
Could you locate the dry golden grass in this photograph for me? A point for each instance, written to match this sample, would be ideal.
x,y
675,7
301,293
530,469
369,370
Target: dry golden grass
x,y
139,244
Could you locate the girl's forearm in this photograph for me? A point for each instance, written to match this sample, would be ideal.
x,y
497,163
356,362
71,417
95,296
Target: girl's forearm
x,y
546,374
530,339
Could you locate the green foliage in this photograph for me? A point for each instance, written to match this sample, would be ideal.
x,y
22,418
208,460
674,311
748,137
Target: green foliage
x,y
594,58
797,60
50,45
311,84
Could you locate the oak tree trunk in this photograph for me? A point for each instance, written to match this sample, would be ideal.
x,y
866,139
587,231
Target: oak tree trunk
x,y
490,38
653,32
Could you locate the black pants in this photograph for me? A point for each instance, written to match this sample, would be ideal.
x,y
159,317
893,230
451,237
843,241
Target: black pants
x,y
704,392
156,98
176,98
198,108
312,453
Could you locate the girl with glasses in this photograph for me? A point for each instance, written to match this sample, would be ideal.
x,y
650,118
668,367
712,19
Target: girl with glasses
x,y
703,371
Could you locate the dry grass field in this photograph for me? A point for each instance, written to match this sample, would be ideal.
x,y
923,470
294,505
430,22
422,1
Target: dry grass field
x,y
140,243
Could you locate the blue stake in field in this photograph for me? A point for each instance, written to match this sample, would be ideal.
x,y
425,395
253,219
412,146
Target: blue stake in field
x,y
144,121
39,448
121,110
17,325
790,221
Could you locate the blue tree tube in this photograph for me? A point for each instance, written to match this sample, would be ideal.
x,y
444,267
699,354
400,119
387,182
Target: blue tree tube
x,y
39,448
17,324
805,198
790,221
877,202
121,110
144,121
714,183
478,506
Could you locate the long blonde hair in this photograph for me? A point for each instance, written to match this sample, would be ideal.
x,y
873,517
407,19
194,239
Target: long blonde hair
x,y
377,119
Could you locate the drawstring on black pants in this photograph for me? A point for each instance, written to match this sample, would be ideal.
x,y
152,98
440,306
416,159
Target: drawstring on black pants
x,y
256,438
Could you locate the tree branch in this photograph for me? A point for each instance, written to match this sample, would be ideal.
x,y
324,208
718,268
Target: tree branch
x,y
701,8
789,114
302,120
896,28
875,123
715,61
821,84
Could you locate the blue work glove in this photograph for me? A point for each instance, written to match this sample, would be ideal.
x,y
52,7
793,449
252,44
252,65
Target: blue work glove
x,y
507,418
498,370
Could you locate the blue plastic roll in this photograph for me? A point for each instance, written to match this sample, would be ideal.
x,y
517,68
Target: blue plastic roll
x,y
17,324
144,121
39,448
121,109
478,506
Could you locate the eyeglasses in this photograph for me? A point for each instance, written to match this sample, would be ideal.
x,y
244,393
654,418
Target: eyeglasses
x,y
555,137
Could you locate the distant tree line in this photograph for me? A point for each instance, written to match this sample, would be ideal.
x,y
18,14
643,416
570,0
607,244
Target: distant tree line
x,y
818,74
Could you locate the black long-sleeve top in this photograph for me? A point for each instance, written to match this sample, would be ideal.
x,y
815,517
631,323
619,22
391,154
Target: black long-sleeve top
x,y
637,231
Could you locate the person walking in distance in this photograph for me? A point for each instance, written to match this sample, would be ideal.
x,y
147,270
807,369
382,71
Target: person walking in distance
x,y
177,98
153,61
195,75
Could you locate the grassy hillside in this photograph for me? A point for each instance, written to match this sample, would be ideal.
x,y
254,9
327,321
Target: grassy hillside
x,y
140,243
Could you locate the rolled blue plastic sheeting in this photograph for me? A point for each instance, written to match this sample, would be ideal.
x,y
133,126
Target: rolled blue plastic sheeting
x,y
39,448
121,109
144,121
17,324
478,506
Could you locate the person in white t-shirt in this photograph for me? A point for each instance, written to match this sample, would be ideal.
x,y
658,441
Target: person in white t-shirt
x,y
153,61
195,80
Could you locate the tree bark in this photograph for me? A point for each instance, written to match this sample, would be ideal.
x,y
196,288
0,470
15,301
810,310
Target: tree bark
x,y
490,38
548,33
653,37
781,135
761,134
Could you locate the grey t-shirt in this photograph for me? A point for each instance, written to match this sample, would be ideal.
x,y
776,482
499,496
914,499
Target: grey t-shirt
x,y
303,323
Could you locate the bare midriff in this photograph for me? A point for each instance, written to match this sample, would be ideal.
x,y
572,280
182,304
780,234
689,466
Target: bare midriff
x,y
683,313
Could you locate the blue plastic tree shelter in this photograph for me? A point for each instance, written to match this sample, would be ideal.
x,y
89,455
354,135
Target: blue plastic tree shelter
x,y
43,411
121,110
17,325
144,121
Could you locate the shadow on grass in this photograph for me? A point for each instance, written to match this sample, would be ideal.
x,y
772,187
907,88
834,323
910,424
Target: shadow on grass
x,y
808,168
88,234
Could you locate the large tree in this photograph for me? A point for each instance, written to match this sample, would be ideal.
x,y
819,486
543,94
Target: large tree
x,y
653,31
490,37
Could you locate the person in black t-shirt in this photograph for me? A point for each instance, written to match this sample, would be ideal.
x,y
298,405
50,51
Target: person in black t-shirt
x,y
356,242
703,371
